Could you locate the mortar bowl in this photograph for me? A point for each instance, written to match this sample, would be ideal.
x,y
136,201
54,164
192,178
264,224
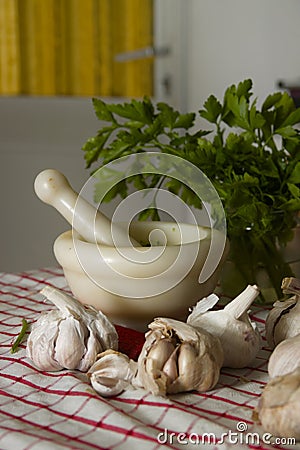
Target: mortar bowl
x,y
134,285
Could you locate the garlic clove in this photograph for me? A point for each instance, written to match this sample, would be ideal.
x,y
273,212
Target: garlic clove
x,y
285,358
170,367
67,304
70,343
158,355
103,328
240,304
279,406
41,341
187,374
93,348
206,304
112,373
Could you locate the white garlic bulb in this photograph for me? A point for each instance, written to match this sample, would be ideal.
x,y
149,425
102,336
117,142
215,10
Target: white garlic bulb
x,y
69,337
285,358
239,337
112,373
279,406
177,358
283,321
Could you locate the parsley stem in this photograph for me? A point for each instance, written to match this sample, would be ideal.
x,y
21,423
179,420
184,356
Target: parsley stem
x,y
20,337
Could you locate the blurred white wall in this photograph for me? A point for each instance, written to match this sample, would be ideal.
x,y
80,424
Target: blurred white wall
x,y
36,134
230,40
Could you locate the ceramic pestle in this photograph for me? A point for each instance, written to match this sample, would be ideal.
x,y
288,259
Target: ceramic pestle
x,y
53,188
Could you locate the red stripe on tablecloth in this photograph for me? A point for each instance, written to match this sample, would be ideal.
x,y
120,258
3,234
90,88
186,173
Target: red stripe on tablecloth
x,y
16,306
225,400
257,319
45,438
93,423
267,349
242,391
9,346
30,289
10,325
20,288
56,272
262,358
10,315
31,277
17,288
21,380
159,404
6,333
237,376
27,276
22,361
259,369
181,406
40,405
213,413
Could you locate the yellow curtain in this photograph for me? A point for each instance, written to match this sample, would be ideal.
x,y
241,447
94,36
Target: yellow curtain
x,y
68,47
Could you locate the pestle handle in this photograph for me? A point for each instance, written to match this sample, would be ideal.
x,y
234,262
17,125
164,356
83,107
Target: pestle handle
x,y
53,188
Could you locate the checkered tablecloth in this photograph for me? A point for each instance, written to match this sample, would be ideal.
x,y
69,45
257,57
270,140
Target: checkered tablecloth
x,y
59,410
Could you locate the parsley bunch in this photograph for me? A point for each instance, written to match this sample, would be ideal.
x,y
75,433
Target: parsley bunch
x,y
251,155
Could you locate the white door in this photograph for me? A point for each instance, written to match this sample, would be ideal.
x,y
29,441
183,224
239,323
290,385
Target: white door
x,y
170,50
216,43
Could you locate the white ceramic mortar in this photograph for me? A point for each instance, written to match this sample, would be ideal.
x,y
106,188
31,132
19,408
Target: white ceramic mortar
x,y
85,268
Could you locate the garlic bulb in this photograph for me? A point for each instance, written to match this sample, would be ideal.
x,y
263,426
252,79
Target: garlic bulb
x,y
69,337
279,406
112,373
291,285
177,358
239,337
285,358
283,321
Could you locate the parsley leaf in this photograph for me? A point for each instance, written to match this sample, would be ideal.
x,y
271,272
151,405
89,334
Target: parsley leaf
x,y
20,337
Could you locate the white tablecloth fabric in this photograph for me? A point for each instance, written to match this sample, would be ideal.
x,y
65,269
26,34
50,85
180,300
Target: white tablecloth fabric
x,y
59,410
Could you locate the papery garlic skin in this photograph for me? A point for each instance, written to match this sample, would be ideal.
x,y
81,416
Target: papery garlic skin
x,y
41,341
112,373
279,406
178,358
285,358
283,321
239,337
69,337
